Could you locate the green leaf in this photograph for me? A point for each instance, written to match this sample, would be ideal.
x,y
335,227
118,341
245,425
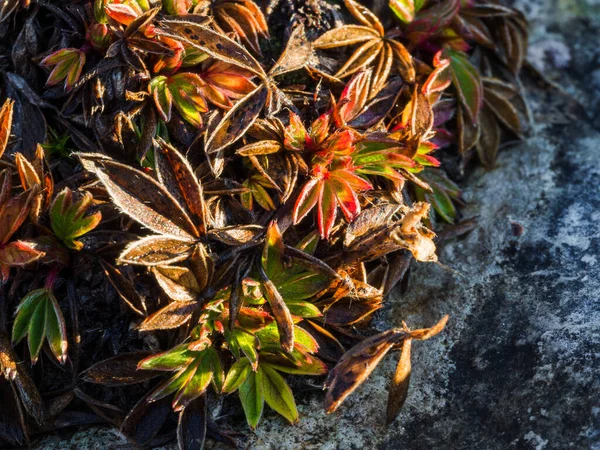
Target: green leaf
x,y
37,329
272,257
56,331
467,82
277,393
309,243
187,96
175,383
198,383
305,339
232,343
444,190
237,374
248,344
295,133
303,309
217,368
252,398
404,9
162,96
24,313
68,219
303,286
296,363
174,359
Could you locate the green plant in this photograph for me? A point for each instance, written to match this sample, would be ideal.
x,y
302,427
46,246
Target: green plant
x,y
251,209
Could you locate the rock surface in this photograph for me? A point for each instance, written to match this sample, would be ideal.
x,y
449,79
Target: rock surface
x,y
518,364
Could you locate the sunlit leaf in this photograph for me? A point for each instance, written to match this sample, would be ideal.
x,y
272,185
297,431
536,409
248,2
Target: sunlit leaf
x,y
277,393
70,220
252,398
171,316
133,191
6,115
237,374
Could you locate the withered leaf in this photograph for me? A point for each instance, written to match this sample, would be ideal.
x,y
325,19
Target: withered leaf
x,y
375,111
124,288
330,347
12,431
489,138
156,250
176,174
238,119
8,361
5,186
367,221
265,147
146,419
171,316
202,266
14,212
30,396
346,35
375,46
191,427
348,310
427,333
214,44
120,370
237,235
6,116
468,132
356,366
140,22
285,324
501,106
296,54
400,382
413,235
133,191
179,283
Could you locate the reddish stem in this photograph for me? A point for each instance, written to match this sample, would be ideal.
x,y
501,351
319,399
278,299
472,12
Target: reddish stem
x,y
51,278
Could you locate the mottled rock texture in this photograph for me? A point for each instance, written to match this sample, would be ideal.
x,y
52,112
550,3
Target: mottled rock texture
x,y
518,366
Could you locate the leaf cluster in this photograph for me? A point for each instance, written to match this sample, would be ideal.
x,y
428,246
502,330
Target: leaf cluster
x,y
243,208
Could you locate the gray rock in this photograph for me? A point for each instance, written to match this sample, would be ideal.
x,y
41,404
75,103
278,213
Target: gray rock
x,y
518,364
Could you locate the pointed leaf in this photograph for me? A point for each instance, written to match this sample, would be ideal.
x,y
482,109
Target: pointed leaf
x,y
238,119
6,115
176,174
37,329
272,256
252,399
212,43
400,383
467,82
25,311
238,373
19,253
171,316
56,330
120,370
14,212
191,427
277,393
346,35
356,365
146,419
155,250
140,197
285,324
